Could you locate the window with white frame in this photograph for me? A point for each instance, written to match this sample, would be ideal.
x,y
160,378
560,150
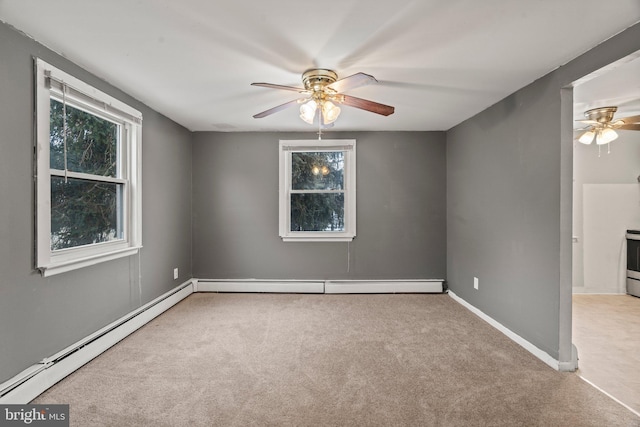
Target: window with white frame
x,y
318,190
88,194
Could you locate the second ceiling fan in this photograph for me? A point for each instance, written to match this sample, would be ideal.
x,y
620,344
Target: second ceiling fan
x,y
322,93
601,127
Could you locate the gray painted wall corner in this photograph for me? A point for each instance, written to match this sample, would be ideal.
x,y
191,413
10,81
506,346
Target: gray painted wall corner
x,y
509,204
48,314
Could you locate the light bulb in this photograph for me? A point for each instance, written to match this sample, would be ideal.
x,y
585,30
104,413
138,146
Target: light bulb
x,y
605,136
315,170
308,111
330,112
587,137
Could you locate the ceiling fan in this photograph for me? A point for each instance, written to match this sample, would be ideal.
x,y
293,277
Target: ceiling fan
x,y
601,126
322,91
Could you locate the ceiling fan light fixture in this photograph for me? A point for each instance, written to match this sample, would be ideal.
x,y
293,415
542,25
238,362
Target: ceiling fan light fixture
x,y
605,136
602,126
330,112
322,91
587,137
308,111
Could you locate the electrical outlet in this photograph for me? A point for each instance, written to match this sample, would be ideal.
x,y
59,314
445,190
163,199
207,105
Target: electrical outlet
x,y
175,273
475,283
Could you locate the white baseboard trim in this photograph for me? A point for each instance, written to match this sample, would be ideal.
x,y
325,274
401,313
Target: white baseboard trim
x,y
254,285
571,366
383,286
540,354
33,381
322,286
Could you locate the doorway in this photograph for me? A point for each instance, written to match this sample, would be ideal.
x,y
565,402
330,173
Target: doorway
x,y
606,202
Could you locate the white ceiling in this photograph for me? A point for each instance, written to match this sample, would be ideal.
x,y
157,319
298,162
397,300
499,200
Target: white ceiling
x,y
617,84
438,62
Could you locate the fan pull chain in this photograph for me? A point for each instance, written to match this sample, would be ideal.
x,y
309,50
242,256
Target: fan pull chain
x,y
318,110
64,128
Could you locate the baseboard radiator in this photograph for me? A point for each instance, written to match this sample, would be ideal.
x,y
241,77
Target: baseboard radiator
x,y
34,380
322,286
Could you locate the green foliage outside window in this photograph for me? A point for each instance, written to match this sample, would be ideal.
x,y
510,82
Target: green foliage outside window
x,y
317,184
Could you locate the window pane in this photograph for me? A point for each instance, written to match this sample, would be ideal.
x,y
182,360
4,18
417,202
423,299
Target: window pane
x,y
317,212
92,142
317,170
84,212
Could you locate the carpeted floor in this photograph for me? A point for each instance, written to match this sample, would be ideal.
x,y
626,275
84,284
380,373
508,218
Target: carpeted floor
x,y
326,360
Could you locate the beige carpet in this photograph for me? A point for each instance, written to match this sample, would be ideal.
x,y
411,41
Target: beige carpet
x,y
326,360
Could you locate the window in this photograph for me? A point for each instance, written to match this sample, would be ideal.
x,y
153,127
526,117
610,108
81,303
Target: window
x,y
318,190
88,199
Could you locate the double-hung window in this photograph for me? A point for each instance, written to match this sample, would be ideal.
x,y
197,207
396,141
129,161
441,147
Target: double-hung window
x,y
88,198
318,190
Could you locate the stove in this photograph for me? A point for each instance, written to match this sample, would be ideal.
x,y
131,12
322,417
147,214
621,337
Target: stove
x,y
633,262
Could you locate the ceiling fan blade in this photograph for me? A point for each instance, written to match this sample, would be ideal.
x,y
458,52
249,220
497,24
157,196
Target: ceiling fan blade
x,y
631,119
352,82
276,109
631,126
274,86
590,122
364,104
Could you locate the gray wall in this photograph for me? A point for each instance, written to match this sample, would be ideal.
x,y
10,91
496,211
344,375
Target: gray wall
x,y
503,213
40,316
401,229
509,172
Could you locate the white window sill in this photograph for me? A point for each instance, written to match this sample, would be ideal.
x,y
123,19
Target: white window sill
x,y
317,238
64,266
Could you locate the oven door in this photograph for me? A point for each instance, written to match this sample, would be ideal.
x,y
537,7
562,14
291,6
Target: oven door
x,y
633,286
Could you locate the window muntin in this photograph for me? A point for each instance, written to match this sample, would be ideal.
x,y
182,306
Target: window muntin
x,y
317,194
88,174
